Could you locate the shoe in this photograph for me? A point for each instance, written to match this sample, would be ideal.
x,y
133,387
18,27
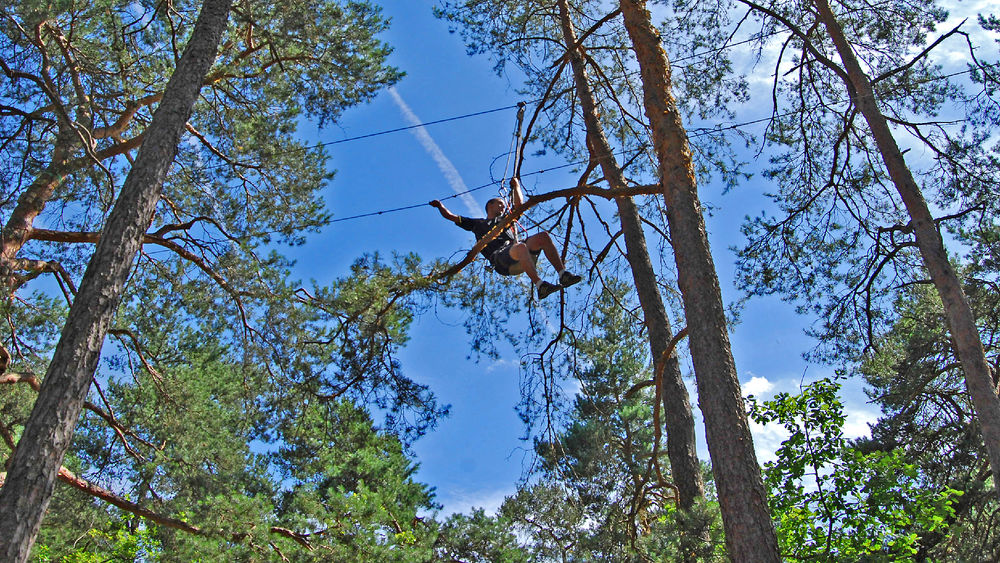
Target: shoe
x,y
545,289
568,278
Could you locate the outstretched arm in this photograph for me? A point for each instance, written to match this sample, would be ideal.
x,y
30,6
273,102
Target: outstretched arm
x,y
516,195
444,211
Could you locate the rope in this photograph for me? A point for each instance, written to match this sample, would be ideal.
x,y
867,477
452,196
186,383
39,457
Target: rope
x,y
515,145
515,176
520,144
515,142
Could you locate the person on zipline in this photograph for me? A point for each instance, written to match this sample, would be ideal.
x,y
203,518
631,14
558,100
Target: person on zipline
x,y
508,256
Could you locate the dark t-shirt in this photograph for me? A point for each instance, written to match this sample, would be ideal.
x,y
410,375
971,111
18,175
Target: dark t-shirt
x,y
480,227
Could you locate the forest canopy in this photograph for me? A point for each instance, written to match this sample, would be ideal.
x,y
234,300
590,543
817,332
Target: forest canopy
x,y
239,410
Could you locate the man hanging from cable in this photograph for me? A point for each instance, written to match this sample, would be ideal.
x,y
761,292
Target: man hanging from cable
x,y
508,256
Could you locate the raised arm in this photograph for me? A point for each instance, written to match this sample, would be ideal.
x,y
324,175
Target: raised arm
x,y
444,211
516,195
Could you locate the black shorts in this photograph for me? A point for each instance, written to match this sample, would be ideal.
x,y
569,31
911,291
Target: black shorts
x,y
502,261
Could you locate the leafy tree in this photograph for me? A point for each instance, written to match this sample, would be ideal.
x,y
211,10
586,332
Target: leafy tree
x,y
223,457
913,374
478,538
122,539
335,488
831,500
353,485
46,437
555,522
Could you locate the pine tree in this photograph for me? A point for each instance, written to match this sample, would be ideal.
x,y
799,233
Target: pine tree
x,y
47,432
855,63
749,531
209,312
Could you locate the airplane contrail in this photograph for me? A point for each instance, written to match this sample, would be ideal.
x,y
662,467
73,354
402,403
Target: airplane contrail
x,y
451,174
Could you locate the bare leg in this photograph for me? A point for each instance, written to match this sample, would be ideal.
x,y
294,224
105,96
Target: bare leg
x,y
542,241
524,264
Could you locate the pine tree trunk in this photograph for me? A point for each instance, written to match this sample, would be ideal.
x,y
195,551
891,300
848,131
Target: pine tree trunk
x,y
961,320
749,531
678,419
49,430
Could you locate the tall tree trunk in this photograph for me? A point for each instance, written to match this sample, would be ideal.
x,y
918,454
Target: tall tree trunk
x,y
49,430
961,320
749,531
678,419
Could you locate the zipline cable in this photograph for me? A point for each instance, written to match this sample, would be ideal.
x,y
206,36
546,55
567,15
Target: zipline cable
x,y
520,104
408,127
478,113
696,133
375,134
515,146
453,196
700,132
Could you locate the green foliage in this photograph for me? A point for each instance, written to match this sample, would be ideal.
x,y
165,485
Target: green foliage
x,y
914,376
353,486
558,524
479,538
554,520
834,502
252,449
124,538
600,495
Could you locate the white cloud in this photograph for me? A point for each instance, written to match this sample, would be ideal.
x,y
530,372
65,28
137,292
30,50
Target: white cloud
x,y
767,438
757,386
502,364
451,174
489,500
857,423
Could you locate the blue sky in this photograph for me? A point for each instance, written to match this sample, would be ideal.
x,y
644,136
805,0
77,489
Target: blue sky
x,y
475,456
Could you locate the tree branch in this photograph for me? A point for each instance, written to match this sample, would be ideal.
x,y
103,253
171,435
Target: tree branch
x,y
516,212
806,42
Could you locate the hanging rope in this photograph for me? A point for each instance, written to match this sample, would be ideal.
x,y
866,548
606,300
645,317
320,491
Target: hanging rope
x,y
519,145
507,194
514,150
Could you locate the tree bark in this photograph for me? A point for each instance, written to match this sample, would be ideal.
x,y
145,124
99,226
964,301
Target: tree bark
x,y
749,531
678,419
961,320
49,429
